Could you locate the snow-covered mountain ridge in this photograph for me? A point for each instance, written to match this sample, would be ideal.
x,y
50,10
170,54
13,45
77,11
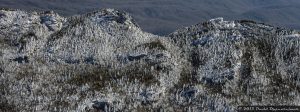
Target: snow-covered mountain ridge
x,y
103,61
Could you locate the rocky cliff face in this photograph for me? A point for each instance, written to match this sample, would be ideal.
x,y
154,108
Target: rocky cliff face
x,y
103,61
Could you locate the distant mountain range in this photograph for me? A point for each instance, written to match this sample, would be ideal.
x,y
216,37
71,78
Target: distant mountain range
x,y
164,16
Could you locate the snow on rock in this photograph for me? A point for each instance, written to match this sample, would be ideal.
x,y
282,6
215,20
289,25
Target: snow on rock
x,y
241,59
220,23
293,36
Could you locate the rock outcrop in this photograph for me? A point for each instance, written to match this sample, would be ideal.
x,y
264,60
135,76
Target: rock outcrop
x,y
103,61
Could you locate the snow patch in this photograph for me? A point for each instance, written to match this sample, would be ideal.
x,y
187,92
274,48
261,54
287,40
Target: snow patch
x,y
220,23
293,36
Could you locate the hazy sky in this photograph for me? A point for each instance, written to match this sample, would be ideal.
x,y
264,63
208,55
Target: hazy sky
x,y
164,16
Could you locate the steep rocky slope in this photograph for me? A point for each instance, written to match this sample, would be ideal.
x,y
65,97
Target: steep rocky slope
x,y
242,62
103,61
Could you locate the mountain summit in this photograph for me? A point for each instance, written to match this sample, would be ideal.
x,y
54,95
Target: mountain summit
x,y
103,61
